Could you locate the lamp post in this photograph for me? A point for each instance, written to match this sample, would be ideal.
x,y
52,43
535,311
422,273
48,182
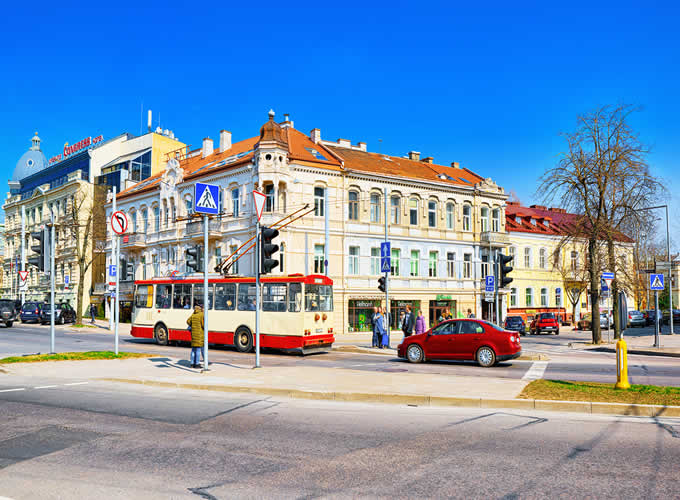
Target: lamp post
x,y
670,264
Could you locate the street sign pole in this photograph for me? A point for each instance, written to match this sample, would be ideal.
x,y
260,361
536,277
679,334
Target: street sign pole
x,y
52,283
498,312
670,273
257,294
206,304
114,240
657,340
387,278
23,248
116,311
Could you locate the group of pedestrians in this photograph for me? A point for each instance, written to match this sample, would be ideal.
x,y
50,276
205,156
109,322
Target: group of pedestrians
x,y
408,322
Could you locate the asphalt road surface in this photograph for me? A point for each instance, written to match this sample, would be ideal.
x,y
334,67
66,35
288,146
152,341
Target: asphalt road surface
x,y
115,441
565,363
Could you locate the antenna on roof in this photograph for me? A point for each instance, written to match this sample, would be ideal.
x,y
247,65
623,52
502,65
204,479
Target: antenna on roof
x,y
141,116
379,146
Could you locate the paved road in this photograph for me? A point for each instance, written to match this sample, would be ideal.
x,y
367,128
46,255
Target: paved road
x,y
118,441
565,362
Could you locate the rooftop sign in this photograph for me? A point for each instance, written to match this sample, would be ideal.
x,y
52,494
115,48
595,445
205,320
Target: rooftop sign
x,y
74,148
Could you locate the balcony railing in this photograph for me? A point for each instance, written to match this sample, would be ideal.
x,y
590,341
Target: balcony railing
x,y
495,239
135,240
194,229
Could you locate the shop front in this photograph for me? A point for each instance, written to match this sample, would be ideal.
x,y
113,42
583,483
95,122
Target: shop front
x,y
439,307
397,307
360,314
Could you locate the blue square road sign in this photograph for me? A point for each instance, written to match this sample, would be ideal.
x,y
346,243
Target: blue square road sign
x,y
656,282
385,254
207,199
490,283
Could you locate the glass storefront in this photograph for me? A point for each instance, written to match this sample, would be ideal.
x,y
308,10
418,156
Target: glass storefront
x,y
360,313
399,306
438,308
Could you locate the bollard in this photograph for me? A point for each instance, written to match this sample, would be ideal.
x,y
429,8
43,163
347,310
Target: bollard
x,y
621,365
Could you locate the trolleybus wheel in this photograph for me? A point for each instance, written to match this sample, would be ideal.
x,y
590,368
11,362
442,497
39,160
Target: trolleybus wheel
x,y
243,339
161,334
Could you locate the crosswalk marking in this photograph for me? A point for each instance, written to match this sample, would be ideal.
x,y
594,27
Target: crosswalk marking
x,y
45,387
536,371
12,390
77,383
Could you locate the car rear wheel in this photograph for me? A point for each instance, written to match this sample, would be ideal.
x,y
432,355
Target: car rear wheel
x,y
486,357
414,353
243,340
8,324
557,332
61,320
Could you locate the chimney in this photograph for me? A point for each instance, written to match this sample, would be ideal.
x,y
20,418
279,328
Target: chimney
x,y
315,135
455,164
287,123
538,207
344,143
362,146
225,140
207,147
428,159
414,155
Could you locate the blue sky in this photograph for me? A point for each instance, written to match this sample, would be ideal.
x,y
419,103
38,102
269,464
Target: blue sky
x,y
488,85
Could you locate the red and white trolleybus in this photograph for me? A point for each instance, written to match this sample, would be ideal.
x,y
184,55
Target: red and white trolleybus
x,y
296,311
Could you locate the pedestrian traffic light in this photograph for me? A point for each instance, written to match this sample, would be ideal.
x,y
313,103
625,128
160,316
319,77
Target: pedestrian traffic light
x,y
41,249
503,271
194,259
382,283
267,249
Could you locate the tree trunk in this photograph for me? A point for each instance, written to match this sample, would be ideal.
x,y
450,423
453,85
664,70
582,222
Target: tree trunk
x,y
79,296
574,321
594,291
614,289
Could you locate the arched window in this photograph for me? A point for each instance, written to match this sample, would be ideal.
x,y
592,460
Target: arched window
x,y
449,216
318,201
353,207
189,204
133,217
413,211
544,297
432,213
542,258
375,207
496,220
145,220
394,209
467,217
484,212
156,218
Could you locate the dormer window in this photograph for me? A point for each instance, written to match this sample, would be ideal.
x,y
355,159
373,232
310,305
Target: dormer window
x,y
546,223
518,219
533,221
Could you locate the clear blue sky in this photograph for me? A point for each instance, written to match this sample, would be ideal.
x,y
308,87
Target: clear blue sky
x,y
489,86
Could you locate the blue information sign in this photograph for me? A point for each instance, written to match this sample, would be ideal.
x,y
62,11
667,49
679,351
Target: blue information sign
x,y
656,282
490,283
385,254
206,199
112,270
607,276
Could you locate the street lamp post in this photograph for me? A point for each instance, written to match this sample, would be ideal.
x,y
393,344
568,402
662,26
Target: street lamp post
x,y
670,264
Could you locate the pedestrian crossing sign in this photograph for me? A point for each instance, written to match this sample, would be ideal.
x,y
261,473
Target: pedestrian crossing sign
x,y
656,282
206,199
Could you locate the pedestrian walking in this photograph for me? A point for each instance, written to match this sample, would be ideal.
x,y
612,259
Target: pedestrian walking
x,y
470,314
420,322
408,322
93,312
195,323
382,330
376,338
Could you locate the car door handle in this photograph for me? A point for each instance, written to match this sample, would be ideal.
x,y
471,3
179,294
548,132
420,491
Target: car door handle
x,y
476,338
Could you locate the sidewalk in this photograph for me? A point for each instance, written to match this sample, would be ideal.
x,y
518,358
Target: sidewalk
x,y
638,343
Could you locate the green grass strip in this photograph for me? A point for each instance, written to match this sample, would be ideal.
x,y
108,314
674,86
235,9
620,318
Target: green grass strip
x,y
73,356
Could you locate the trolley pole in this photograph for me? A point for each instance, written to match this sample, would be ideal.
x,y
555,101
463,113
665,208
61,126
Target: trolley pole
x,y
206,305
257,294
52,284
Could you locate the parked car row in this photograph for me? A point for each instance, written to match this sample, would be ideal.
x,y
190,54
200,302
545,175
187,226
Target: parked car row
x,y
39,312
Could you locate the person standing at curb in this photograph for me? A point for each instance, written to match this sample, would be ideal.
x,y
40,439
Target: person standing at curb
x,y
93,312
420,322
407,324
195,323
376,339
382,329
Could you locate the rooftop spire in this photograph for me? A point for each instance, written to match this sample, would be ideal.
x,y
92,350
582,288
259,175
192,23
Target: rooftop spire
x,y
35,143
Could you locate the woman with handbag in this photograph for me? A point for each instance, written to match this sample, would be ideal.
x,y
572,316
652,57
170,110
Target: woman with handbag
x,y
195,323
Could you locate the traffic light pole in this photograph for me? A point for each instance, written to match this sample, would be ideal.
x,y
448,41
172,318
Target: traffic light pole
x,y
257,294
52,350
387,279
206,304
23,249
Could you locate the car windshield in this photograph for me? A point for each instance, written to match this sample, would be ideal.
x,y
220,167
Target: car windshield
x,y
29,306
547,316
513,319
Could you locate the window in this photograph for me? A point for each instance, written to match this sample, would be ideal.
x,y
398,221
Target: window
x,y
269,198
155,265
511,252
394,262
394,210
218,254
451,264
246,297
558,297
542,256
234,266
174,212
353,262
375,207
415,262
496,220
143,267
528,297
527,257
484,212
189,204
467,265
574,260
274,297
449,215
198,296
157,218
133,216
375,261
513,297
544,297
485,265
225,296
144,296
181,299
318,201
432,264
353,205
145,220
413,211
234,202
318,298
295,297
432,213
318,259
166,214
467,218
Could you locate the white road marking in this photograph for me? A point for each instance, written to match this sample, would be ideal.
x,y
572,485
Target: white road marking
x,y
12,390
536,371
77,383
45,387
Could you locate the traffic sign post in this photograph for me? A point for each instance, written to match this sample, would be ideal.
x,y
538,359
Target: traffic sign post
x,y
258,202
206,199
605,284
23,281
490,283
656,283
385,256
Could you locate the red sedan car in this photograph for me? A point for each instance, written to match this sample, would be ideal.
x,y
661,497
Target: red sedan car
x,y
465,339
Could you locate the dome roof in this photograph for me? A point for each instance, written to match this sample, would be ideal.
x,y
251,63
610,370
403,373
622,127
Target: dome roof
x,y
272,132
31,162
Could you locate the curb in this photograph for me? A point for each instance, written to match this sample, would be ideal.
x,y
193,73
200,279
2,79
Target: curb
x,y
529,356
588,407
641,352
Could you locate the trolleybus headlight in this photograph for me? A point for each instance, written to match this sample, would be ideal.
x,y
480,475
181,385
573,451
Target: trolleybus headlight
x,y
316,317
330,330
324,316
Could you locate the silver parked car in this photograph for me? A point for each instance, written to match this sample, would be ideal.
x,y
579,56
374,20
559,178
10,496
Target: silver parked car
x,y
636,318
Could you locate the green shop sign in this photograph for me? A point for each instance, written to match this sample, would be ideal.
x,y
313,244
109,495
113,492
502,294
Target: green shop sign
x,y
443,297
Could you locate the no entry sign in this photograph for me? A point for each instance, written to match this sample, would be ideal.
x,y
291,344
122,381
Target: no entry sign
x,y
119,222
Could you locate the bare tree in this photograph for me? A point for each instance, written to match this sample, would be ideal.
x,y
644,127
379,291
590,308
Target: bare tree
x,y
573,272
604,178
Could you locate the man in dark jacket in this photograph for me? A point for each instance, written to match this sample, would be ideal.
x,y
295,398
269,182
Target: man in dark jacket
x,y
409,321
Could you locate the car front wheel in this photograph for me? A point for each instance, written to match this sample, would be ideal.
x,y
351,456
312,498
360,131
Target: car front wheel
x,y
414,353
486,357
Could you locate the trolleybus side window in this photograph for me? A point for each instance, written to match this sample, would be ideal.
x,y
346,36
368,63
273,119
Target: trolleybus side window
x,y
225,296
144,296
163,296
318,298
182,297
246,296
295,297
198,296
274,297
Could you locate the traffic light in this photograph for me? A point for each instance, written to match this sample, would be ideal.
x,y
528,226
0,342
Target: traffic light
x,y
381,284
503,270
41,249
267,249
194,259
